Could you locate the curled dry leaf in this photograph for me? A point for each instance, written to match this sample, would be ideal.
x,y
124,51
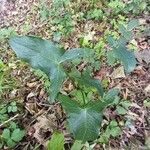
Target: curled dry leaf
x,y
32,84
32,108
45,123
30,95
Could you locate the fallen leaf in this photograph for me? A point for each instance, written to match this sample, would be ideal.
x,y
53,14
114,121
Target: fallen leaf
x,y
30,95
147,89
101,74
118,73
143,56
42,92
32,108
142,21
32,84
143,45
140,71
45,123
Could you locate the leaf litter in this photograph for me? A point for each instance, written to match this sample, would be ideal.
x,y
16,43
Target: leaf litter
x,y
41,121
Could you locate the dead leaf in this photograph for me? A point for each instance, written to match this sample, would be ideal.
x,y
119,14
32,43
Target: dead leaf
x,y
42,92
45,123
30,95
147,89
32,108
142,21
32,84
101,74
143,56
140,71
118,73
68,86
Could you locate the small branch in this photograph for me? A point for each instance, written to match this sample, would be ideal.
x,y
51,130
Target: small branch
x,y
9,120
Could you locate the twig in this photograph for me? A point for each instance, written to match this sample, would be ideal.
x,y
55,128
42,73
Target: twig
x,y
9,120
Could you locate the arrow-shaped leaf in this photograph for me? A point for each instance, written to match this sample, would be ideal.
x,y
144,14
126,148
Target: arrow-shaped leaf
x,y
43,55
74,53
126,57
57,77
84,122
87,80
46,56
36,51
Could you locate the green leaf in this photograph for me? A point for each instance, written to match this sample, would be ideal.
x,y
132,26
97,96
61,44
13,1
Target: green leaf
x,y
132,24
111,58
74,53
38,52
14,109
77,145
125,33
57,142
43,55
126,57
115,131
120,52
120,110
11,143
104,137
147,103
113,123
126,104
112,42
111,95
17,135
9,109
1,145
57,76
85,79
84,122
122,41
79,95
6,134
13,125
46,56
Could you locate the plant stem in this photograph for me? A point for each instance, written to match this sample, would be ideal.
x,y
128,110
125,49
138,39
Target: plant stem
x,y
9,120
83,96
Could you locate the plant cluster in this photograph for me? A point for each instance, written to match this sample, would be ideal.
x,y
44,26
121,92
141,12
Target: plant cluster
x,y
12,134
60,16
85,103
5,84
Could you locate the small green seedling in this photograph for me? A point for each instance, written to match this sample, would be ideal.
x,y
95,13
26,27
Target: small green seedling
x,y
12,107
112,130
11,138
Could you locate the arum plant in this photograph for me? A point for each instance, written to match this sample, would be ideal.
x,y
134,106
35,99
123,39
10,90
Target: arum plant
x,y
120,51
84,120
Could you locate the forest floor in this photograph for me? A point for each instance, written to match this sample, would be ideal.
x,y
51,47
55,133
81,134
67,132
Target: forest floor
x,y
25,90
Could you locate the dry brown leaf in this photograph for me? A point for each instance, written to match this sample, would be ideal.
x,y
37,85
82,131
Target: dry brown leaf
x,y
143,56
32,108
118,73
42,92
147,89
101,74
45,123
30,95
32,84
